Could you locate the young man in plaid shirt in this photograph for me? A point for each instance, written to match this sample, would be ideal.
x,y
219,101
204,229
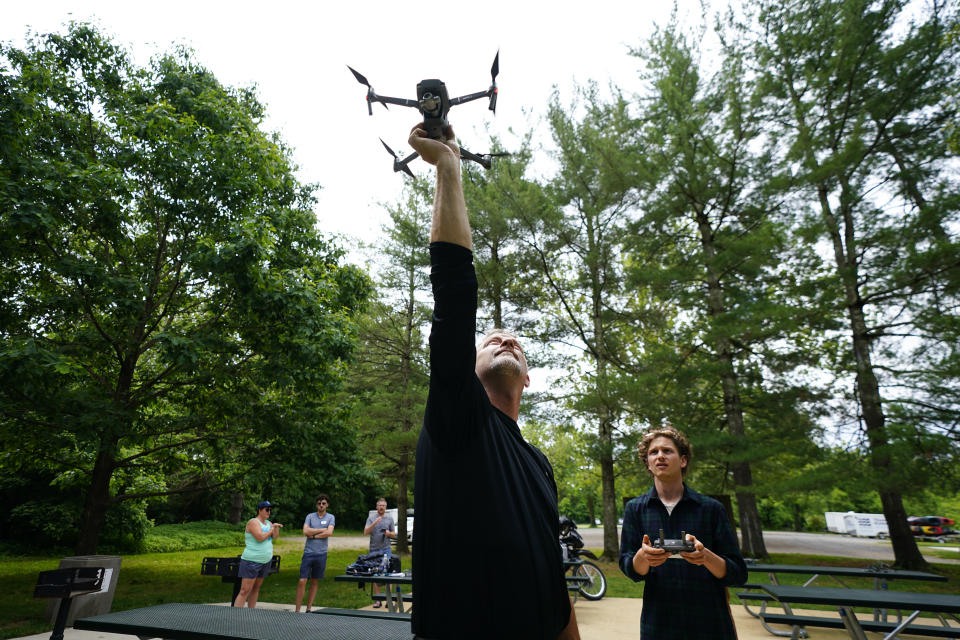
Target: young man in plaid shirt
x,y
685,595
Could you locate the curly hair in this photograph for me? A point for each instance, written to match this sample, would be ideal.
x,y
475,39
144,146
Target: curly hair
x,y
684,448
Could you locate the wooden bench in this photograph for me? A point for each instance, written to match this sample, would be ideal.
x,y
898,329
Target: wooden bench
x,y
868,625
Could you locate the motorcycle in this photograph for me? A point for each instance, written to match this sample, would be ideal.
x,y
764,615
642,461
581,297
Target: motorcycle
x,y
587,576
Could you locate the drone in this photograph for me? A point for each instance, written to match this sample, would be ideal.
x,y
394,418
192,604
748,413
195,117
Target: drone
x,y
433,102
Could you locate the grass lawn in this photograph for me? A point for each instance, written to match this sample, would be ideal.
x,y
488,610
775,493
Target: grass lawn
x,y
941,550
157,578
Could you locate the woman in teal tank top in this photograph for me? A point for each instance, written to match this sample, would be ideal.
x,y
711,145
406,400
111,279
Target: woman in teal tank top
x,y
257,554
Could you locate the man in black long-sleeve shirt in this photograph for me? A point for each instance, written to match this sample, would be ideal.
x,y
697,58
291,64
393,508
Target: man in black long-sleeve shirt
x,y
499,575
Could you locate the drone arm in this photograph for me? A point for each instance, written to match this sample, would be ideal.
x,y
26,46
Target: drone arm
x,y
403,102
402,165
484,161
472,96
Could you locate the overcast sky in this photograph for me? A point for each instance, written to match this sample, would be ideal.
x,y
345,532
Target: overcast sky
x,y
297,53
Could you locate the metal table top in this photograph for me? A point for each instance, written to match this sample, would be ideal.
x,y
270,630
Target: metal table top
x,y
849,572
386,579
903,600
178,621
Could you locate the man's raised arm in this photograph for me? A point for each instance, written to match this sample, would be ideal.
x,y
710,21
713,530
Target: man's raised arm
x,y
450,222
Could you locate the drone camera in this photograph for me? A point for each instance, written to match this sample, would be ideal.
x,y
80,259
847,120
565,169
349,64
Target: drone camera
x,y
434,103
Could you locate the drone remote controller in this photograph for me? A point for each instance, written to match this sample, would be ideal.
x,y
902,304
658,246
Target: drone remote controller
x,y
434,103
674,546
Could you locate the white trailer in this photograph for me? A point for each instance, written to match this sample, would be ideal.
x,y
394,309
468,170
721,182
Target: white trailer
x,y
835,521
866,525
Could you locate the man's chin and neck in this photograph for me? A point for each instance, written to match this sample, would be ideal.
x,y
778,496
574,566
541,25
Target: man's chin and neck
x,y
668,484
504,391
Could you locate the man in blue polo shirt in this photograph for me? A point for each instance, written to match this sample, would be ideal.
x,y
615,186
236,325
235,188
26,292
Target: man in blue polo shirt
x,y
317,527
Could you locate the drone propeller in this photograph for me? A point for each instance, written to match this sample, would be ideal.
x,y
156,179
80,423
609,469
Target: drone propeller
x,y
371,95
494,71
399,165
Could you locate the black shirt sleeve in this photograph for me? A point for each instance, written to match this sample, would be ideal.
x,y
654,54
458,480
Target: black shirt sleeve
x,y
454,406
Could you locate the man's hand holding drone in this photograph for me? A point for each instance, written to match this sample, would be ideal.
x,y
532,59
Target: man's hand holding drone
x,y
435,151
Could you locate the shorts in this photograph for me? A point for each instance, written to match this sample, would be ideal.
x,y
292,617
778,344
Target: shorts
x,y
313,565
252,569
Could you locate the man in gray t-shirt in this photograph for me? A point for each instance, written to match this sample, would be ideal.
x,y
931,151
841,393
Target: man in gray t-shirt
x,y
380,528
317,527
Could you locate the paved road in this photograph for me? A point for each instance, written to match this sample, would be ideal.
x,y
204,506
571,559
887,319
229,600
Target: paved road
x,y
822,544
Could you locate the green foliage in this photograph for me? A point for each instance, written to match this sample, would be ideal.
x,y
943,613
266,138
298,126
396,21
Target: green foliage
x,y
388,387
192,536
501,201
873,176
578,482
166,301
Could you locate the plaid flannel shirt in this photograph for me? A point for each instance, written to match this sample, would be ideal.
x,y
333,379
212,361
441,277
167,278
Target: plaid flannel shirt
x,y
683,600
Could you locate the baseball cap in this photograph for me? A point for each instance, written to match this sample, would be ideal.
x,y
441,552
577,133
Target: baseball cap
x,y
264,503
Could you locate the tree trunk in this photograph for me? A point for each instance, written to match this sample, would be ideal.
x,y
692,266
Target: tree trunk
x,y
498,293
402,503
95,508
611,541
236,507
906,553
751,529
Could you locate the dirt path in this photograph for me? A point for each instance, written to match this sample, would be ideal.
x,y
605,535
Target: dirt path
x,y
288,544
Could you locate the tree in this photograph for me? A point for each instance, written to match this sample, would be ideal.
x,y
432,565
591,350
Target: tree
x,y
575,247
578,481
498,199
166,300
392,375
860,96
709,243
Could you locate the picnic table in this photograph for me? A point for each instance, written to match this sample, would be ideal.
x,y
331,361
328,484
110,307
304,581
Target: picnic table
x,y
177,621
394,600
845,600
880,574
229,571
